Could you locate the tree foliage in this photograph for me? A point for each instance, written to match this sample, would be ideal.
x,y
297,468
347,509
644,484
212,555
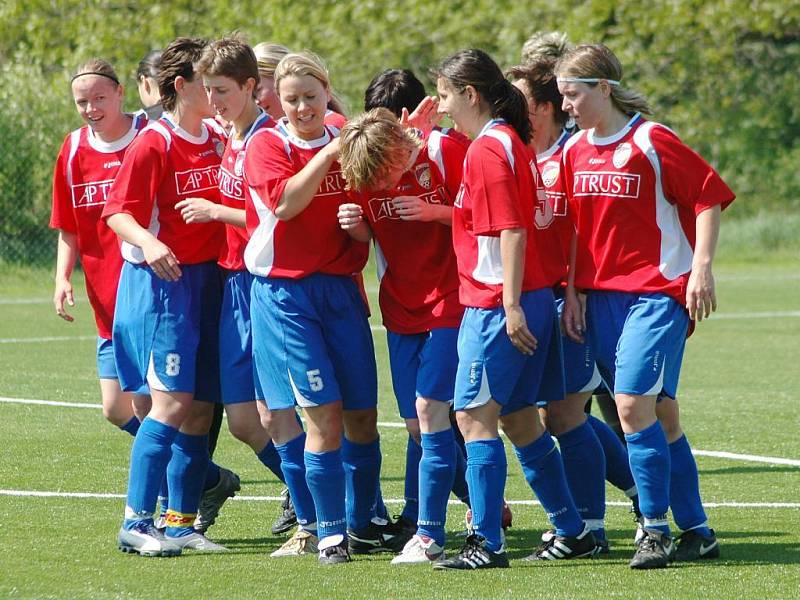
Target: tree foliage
x,y
721,73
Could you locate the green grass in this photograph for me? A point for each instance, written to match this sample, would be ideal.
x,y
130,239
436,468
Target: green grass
x,y
738,395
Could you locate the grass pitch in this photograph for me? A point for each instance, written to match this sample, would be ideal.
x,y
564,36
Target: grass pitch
x,y
738,395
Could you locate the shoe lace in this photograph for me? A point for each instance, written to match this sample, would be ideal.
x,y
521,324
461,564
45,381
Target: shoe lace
x,y
649,543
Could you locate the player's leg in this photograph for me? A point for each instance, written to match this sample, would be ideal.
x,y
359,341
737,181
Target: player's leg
x,y
117,405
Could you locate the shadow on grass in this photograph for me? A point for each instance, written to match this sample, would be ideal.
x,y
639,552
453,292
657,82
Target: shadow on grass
x,y
750,469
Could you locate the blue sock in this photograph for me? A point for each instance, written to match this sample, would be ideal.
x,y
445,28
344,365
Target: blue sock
x,y
618,469
411,490
212,476
486,474
186,473
460,487
544,472
270,458
325,477
650,464
380,508
684,489
585,468
294,475
131,426
150,453
436,474
362,472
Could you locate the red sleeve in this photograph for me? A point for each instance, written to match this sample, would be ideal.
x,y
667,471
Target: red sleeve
x,y
453,153
137,182
686,177
335,119
62,215
565,184
493,189
268,168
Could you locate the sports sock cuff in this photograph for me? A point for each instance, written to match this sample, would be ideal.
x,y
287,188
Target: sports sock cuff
x,y
645,434
484,452
679,444
158,429
356,450
575,436
536,450
131,426
191,443
322,460
300,441
440,439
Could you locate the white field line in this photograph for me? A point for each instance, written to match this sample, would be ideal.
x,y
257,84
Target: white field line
x,y
773,460
106,496
774,314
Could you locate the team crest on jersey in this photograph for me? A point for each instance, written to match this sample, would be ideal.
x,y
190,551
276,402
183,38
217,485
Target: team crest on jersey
x,y
238,167
550,173
621,155
423,174
219,147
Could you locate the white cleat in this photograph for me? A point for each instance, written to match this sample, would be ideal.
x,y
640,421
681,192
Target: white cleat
x,y
301,543
145,540
420,549
196,541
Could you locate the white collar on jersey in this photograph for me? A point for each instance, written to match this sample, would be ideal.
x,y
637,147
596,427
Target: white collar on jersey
x,y
120,143
299,142
182,133
237,144
554,148
595,140
489,124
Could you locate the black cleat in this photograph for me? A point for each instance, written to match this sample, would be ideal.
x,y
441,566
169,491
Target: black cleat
x,y
655,550
602,544
563,548
693,546
334,555
288,518
474,555
402,527
377,538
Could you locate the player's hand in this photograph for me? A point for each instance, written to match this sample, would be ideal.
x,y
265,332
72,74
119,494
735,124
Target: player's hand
x,y
197,210
350,216
63,293
332,149
425,117
162,260
573,317
701,297
518,332
412,208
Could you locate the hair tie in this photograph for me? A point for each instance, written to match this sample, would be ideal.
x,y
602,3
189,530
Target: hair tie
x,y
81,74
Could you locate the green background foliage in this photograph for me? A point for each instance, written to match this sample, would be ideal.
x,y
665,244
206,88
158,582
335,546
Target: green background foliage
x,y
722,74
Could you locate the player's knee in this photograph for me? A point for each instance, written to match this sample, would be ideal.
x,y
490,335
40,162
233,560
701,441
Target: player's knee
x,y
413,428
361,426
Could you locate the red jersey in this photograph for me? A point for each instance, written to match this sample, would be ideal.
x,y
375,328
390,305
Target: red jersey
x,y
232,193
334,119
167,164
416,262
498,192
84,171
312,241
551,218
634,198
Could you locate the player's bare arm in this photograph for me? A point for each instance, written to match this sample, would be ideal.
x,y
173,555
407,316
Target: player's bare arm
x,y
701,298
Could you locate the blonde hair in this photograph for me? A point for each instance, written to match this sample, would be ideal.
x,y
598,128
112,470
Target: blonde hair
x,y
597,61
300,64
550,44
268,56
369,145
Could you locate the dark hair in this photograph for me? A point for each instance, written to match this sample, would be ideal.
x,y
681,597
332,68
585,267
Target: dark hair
x,y
97,66
477,69
148,66
394,89
540,79
229,57
177,61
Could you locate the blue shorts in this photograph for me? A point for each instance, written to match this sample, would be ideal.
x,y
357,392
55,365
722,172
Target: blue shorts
x,y
312,343
235,340
638,340
490,367
106,369
423,365
166,334
580,371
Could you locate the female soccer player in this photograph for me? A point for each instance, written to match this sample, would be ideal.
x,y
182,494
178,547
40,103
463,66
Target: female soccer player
x,y
87,163
403,195
312,345
268,56
147,85
647,211
507,335
166,319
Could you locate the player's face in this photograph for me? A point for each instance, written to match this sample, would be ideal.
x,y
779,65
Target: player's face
x,y
267,97
456,105
536,112
584,103
227,97
396,165
305,101
99,101
192,96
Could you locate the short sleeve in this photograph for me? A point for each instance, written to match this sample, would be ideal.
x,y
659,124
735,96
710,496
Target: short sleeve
x,y
63,215
493,189
268,168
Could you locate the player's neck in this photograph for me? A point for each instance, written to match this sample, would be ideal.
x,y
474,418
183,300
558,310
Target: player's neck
x,y
545,137
245,120
189,120
118,130
612,123
475,125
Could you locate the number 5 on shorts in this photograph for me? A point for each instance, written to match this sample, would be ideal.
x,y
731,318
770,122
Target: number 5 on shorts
x,y
314,380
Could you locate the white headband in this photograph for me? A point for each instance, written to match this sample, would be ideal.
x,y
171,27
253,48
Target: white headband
x,y
586,80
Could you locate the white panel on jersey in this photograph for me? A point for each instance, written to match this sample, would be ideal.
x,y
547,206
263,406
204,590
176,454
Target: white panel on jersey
x,y
505,139
156,126
133,254
74,140
594,382
435,150
259,254
117,145
152,379
676,252
489,269
301,400
484,394
380,261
